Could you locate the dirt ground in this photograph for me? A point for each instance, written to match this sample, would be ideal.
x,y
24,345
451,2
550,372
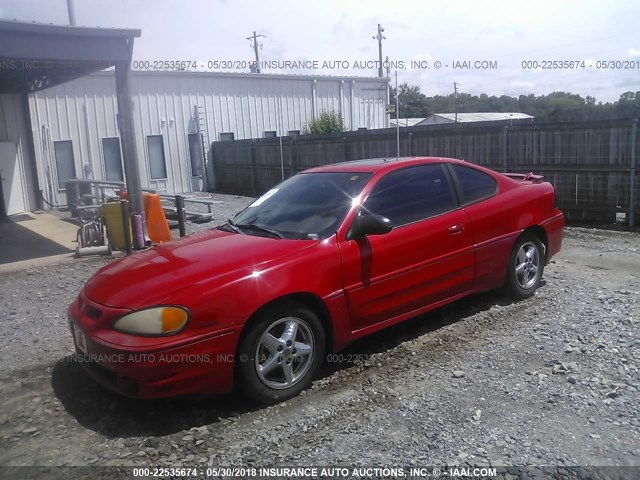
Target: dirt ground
x,y
552,380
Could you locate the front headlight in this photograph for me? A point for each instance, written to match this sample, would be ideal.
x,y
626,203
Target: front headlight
x,y
154,321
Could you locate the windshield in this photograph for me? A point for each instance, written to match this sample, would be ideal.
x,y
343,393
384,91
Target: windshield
x,y
306,206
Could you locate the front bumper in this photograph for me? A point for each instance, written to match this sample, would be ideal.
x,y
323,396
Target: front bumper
x,y
202,364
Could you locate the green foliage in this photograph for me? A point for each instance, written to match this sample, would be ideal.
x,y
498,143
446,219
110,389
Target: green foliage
x,y
557,106
327,122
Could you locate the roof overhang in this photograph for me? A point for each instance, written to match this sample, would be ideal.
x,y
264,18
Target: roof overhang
x,y
37,56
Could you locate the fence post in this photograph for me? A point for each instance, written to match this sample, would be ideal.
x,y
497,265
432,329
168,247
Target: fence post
x,y
253,168
633,201
505,148
410,154
181,215
292,149
344,147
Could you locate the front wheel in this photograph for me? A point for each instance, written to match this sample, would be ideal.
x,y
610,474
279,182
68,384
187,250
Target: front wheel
x,y
281,354
526,265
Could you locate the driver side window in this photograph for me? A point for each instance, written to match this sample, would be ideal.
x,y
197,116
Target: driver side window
x,y
410,195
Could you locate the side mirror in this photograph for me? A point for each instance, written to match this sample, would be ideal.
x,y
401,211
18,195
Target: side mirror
x,y
369,224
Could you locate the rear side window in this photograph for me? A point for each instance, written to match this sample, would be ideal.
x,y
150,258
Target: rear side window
x,y
410,195
474,184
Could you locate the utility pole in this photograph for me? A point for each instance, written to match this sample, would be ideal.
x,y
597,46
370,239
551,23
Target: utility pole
x,y
72,15
455,93
255,46
379,37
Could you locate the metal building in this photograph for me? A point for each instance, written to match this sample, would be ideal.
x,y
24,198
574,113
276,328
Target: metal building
x,y
34,57
177,113
440,118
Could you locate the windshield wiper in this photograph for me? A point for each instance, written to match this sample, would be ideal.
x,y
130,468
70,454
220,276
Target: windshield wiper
x,y
234,227
253,226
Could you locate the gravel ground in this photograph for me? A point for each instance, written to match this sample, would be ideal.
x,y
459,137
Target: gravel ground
x,y
552,380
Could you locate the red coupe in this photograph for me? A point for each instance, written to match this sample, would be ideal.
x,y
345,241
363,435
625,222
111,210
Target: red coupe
x,y
329,255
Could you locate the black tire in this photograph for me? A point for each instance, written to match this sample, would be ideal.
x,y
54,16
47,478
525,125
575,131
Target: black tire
x,y
528,254
271,386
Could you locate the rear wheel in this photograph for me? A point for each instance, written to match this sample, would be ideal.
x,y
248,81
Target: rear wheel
x,y
526,265
281,354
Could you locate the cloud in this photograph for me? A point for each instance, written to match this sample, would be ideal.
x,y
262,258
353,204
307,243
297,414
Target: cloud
x,y
633,52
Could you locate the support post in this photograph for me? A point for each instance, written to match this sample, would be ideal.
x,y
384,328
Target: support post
x,y
633,194
181,216
127,136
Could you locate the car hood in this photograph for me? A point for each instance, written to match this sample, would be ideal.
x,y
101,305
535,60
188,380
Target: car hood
x,y
150,277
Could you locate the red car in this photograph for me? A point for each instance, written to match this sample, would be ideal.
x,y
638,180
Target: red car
x,y
329,255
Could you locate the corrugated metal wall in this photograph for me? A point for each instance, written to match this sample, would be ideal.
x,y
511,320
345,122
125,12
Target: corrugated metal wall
x,y
246,105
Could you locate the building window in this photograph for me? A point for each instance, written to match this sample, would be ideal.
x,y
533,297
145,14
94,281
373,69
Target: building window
x,y
112,158
195,153
65,165
270,134
156,157
294,133
226,137
362,129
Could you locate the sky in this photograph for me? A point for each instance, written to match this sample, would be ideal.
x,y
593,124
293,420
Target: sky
x,y
492,47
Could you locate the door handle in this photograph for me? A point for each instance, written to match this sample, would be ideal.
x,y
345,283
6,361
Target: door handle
x,y
455,229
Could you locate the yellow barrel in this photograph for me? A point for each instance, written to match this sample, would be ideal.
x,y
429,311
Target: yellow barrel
x,y
112,213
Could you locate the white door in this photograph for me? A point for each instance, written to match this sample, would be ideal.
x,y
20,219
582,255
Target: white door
x,y
11,178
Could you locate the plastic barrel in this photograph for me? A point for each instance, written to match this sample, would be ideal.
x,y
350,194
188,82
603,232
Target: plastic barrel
x,y
112,213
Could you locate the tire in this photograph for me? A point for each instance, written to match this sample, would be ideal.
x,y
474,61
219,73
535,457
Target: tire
x,y
525,268
275,361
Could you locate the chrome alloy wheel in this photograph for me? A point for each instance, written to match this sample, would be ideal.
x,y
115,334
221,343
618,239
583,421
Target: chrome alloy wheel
x,y
527,265
285,353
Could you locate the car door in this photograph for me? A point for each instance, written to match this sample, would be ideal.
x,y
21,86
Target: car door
x,y
427,256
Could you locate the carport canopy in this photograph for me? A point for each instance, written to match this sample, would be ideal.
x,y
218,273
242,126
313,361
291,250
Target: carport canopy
x,y
35,56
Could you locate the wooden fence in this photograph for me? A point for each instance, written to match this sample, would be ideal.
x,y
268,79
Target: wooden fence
x,y
591,164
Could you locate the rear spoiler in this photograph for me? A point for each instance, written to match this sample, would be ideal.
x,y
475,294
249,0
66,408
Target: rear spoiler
x,y
525,177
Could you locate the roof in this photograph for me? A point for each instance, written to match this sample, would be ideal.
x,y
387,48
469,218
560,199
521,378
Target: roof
x,y
482,116
373,165
276,76
49,28
34,56
405,122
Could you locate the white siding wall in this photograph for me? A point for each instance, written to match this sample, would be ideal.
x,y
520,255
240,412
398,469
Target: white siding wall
x,y
247,105
14,128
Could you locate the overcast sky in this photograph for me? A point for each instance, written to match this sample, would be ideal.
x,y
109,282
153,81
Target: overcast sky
x,y
504,32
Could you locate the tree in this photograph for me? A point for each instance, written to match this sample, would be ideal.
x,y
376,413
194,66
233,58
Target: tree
x,y
412,102
327,122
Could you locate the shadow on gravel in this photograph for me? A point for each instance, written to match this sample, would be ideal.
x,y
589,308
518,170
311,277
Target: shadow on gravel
x,y
112,415
391,337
